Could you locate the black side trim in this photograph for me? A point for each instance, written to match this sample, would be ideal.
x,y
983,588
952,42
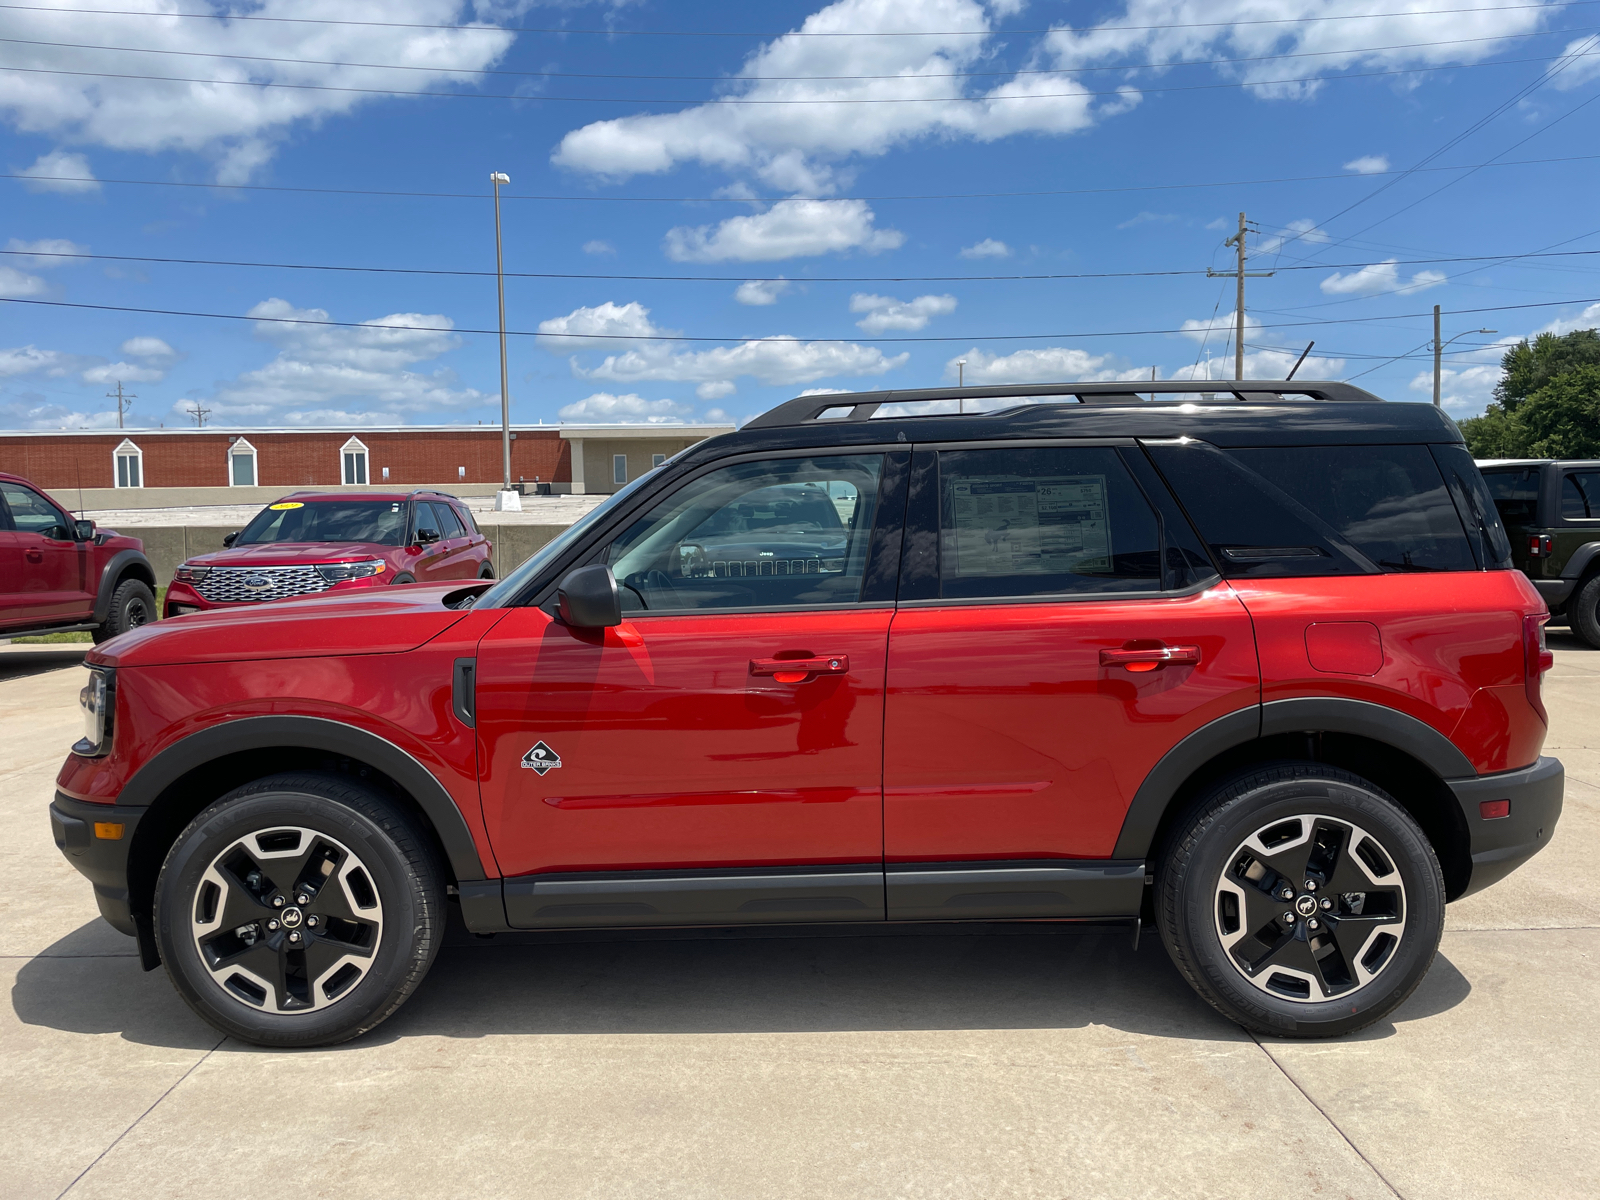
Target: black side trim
x,y
463,691
108,580
314,733
1502,844
483,906
1322,714
1002,890
1176,765
102,861
1579,562
738,896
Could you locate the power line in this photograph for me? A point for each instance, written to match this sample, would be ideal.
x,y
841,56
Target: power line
x,y
665,337
1203,62
560,198
747,101
794,33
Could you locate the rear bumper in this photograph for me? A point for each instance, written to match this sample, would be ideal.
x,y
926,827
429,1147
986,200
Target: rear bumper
x,y
103,861
1501,845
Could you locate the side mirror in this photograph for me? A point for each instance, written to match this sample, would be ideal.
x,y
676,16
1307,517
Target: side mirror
x,y
228,541
426,537
83,531
588,599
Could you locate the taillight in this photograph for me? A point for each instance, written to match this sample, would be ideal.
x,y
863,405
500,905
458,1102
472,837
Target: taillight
x,y
1539,545
1536,660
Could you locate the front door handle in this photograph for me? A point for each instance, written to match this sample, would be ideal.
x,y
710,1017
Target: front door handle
x,y
1149,660
798,670
35,555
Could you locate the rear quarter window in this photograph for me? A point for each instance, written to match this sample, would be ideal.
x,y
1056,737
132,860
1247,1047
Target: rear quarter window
x,y
1580,496
1516,494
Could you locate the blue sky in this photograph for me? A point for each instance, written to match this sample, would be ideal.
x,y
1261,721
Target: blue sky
x,y
777,157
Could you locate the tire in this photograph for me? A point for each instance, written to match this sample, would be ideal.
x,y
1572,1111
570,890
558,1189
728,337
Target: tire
x,y
1378,901
132,604
1583,612
367,935
486,572
399,580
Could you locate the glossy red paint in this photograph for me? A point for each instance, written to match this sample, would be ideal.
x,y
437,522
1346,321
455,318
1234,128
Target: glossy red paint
x,y
1452,652
1007,736
673,752
1344,647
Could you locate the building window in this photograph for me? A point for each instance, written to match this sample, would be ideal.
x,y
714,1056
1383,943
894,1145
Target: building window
x,y
242,464
354,455
619,468
656,460
128,460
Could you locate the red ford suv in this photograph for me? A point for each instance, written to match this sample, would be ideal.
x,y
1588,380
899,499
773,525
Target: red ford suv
x,y
314,542
1249,663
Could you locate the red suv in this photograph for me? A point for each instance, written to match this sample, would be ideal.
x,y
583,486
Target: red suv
x,y
1250,663
314,542
62,575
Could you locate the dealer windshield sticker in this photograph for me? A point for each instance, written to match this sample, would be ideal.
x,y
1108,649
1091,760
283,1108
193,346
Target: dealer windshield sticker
x,y
1005,525
285,504
541,758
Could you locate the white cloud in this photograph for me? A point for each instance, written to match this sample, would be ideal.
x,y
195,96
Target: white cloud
x,y
825,392
1266,364
716,389
319,369
1301,232
599,247
1368,164
1149,218
1043,364
1581,70
1589,318
606,407
25,360
239,127
761,292
1221,326
885,312
1379,278
42,253
152,348
123,372
20,284
33,412
789,229
59,171
718,416
988,248
582,328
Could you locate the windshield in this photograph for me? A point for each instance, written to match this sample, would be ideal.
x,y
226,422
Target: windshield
x,y
502,593
379,521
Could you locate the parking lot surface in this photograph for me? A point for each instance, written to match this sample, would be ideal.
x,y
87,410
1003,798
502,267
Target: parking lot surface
x,y
1033,1062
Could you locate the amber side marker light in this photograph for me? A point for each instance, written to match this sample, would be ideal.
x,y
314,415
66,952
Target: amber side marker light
x,y
110,831
1493,810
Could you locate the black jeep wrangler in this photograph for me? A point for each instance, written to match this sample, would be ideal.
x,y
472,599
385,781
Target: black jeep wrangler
x,y
1551,511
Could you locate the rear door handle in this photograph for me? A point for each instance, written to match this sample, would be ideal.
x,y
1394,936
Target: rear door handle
x,y
1149,660
797,670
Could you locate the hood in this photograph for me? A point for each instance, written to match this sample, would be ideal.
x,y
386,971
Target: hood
x,y
333,624
290,554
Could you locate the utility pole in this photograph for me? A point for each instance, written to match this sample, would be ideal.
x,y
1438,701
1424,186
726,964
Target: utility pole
x,y
506,500
1438,353
122,401
199,414
1238,309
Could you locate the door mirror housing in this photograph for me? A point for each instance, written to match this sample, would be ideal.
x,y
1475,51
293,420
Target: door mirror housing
x,y
588,598
426,537
83,531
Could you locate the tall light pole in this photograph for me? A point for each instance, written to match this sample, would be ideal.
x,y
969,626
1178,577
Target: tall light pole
x,y
1438,350
506,500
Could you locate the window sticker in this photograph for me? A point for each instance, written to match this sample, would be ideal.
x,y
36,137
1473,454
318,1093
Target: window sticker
x,y
285,504
1008,525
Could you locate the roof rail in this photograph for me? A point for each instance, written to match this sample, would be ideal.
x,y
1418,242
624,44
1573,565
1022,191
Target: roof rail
x,y
860,406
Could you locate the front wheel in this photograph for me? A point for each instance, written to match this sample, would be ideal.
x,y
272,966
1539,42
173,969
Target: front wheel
x,y
1301,901
133,604
299,910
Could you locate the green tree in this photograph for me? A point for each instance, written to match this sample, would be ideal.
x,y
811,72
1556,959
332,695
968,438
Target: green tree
x,y
1547,403
1562,419
1528,367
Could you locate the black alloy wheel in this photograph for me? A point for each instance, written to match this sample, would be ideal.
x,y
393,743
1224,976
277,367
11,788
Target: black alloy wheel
x,y
299,910
132,604
1302,901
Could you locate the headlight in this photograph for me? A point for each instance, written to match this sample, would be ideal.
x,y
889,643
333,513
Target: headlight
x,y
339,572
189,574
98,700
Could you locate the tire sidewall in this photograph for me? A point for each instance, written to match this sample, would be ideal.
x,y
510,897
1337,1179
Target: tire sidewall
x,y
1583,616
1401,839
404,916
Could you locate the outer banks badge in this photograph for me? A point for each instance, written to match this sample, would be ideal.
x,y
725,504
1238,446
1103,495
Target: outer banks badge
x,y
541,758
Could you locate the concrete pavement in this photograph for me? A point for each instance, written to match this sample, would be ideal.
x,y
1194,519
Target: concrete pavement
x,y
1027,1063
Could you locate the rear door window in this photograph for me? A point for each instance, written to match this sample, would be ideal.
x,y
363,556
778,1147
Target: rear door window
x,y
1580,496
449,523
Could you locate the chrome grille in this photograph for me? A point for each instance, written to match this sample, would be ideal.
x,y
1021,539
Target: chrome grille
x,y
231,584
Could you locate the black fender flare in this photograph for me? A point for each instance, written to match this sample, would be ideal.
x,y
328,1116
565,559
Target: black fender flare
x,y
1578,564
113,571
1314,714
314,733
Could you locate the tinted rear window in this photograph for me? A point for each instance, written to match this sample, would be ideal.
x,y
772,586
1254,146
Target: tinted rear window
x,y
379,521
1580,496
1516,494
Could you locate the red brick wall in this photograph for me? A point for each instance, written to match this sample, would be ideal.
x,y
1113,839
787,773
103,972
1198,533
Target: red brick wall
x,y
288,459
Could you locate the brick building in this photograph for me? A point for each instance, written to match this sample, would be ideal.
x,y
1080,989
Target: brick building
x,y
220,463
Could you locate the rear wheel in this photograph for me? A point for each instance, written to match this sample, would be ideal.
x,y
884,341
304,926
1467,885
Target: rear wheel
x,y
400,579
486,572
1300,900
133,604
299,910
1583,612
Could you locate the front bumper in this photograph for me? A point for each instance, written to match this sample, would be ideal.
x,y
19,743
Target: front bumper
x,y
1501,845
102,860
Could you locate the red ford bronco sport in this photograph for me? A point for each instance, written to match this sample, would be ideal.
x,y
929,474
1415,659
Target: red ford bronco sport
x,y
1249,662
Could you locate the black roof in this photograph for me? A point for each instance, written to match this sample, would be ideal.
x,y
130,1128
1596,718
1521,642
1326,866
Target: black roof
x,y
1269,412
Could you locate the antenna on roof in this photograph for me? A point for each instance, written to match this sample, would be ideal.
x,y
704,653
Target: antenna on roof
x,y
1298,361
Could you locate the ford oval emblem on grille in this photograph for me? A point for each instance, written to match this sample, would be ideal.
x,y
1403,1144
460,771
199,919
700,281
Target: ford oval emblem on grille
x,y
256,582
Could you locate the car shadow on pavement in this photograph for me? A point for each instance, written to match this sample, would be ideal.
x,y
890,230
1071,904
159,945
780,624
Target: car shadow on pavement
x,y
20,663
1029,977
